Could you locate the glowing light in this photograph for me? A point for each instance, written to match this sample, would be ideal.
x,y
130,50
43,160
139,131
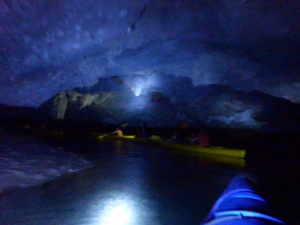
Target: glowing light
x,y
137,84
137,91
117,212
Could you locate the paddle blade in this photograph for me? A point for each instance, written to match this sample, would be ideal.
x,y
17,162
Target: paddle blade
x,y
102,136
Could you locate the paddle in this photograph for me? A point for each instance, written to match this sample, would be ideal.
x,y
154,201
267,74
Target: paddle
x,y
102,136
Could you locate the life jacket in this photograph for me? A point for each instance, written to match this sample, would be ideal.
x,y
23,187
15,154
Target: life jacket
x,y
202,140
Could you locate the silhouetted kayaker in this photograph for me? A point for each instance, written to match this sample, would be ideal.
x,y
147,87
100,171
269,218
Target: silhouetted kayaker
x,y
143,132
175,137
119,132
201,139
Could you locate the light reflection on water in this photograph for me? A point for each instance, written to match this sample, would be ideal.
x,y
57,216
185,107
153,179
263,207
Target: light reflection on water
x,y
119,209
129,185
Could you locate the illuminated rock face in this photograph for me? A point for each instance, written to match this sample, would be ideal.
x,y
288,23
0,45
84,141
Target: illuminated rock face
x,y
113,108
171,104
59,106
48,47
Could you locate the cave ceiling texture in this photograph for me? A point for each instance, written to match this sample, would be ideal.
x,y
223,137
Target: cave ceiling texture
x,y
235,47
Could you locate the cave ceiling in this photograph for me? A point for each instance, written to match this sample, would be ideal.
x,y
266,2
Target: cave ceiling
x,y
49,46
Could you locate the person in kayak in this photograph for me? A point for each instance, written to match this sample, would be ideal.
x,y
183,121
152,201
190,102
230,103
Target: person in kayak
x,y
142,132
201,139
119,132
175,137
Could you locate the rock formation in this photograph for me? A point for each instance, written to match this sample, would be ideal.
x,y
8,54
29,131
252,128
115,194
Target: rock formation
x,y
59,106
214,106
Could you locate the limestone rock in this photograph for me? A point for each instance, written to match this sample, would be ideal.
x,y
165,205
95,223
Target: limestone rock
x,y
87,100
213,106
73,96
59,106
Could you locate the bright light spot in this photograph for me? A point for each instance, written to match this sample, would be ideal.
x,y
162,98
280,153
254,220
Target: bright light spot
x,y
117,211
137,91
137,84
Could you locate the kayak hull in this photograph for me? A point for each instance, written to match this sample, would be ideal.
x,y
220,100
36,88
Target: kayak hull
x,y
241,205
239,153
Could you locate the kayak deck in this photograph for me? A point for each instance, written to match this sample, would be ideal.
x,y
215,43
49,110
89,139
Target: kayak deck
x,y
241,205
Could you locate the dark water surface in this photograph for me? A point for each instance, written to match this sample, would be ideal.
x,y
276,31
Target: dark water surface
x,y
135,184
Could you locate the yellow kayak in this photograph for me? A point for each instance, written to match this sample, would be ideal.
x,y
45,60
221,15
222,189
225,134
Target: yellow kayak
x,y
203,152
212,150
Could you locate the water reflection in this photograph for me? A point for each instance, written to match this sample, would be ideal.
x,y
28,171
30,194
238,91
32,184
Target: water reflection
x,y
118,210
118,147
129,185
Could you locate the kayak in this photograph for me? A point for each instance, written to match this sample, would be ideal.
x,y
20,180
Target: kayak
x,y
223,159
241,205
212,150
